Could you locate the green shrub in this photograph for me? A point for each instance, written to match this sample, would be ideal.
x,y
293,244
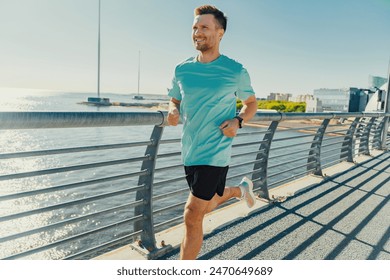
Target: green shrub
x,y
280,106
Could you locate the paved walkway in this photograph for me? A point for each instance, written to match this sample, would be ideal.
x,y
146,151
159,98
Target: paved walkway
x,y
346,217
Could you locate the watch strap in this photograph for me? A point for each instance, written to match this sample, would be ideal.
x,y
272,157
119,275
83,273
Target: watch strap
x,y
240,120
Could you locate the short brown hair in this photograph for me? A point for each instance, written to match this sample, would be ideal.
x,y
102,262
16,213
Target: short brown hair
x,y
218,15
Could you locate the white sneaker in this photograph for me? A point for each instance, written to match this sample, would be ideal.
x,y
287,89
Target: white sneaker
x,y
246,187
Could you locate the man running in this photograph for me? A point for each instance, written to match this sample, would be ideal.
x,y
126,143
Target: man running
x,y
204,92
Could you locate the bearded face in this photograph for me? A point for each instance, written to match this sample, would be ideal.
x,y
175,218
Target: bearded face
x,y
206,33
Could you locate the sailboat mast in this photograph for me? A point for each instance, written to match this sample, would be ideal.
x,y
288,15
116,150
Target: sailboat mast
x,y
98,74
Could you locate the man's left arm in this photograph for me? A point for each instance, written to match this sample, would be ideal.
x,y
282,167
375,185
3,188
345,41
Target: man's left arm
x,y
229,127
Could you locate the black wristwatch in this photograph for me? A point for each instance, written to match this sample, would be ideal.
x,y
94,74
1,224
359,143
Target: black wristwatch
x,y
239,121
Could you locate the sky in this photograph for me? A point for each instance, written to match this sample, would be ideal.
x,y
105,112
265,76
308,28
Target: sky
x,y
288,46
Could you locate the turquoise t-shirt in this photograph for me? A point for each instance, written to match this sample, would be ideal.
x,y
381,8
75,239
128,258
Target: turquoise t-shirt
x,y
208,93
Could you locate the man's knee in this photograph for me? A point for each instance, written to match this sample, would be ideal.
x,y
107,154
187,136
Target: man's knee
x,y
193,216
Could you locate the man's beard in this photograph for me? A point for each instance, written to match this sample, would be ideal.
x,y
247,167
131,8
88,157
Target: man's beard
x,y
202,47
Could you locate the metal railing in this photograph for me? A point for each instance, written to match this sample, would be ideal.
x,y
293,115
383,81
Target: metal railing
x,y
77,202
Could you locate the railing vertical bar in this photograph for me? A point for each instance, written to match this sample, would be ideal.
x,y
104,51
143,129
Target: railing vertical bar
x,y
314,161
260,177
146,225
348,145
364,147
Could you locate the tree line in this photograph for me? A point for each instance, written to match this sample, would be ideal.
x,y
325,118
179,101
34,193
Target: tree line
x,y
280,106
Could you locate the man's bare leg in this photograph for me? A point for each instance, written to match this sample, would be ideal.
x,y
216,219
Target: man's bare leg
x,y
194,212
217,200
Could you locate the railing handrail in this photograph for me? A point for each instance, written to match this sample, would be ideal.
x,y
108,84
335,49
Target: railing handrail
x,y
37,120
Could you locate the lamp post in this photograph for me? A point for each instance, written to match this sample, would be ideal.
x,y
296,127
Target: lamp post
x,y
98,73
387,110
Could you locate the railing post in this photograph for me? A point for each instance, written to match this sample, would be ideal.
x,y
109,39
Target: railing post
x,y
378,135
146,194
384,132
259,177
364,145
314,160
348,144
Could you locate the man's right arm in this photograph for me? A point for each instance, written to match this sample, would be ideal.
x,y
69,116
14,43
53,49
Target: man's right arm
x,y
173,112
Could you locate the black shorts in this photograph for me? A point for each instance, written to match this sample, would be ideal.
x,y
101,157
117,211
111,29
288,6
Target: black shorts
x,y
205,181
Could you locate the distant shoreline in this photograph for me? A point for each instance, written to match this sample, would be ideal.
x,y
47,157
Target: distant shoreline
x,y
151,105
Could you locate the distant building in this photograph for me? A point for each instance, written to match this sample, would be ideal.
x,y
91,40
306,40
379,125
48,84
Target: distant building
x,y
333,100
279,96
375,81
303,97
313,105
358,99
343,100
377,101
